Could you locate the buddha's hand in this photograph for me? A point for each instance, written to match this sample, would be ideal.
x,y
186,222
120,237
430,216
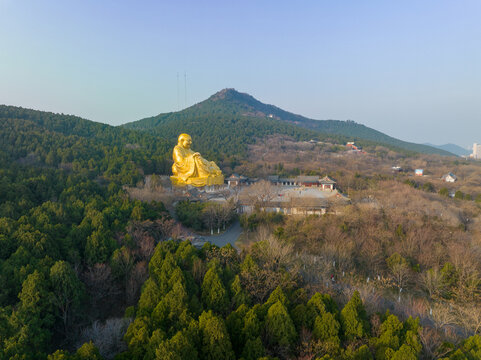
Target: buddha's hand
x,y
196,154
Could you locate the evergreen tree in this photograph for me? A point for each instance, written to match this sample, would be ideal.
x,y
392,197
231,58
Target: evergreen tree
x,y
235,324
137,337
277,295
353,318
150,297
239,296
214,295
32,320
253,349
362,353
279,327
67,290
252,326
172,314
300,317
326,328
88,351
178,347
470,349
215,339
60,355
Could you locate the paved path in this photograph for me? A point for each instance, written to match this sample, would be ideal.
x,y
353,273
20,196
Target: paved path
x,y
228,237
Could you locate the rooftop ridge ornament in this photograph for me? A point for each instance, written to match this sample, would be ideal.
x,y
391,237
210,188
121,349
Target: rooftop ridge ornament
x,y
190,168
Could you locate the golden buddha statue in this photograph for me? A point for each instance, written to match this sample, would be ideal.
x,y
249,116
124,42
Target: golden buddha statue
x,y
192,169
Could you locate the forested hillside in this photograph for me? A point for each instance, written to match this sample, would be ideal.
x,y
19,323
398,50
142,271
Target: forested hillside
x,y
92,149
81,262
67,229
215,304
227,107
217,135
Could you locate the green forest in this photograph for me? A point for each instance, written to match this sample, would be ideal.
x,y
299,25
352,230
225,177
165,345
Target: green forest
x,y
79,260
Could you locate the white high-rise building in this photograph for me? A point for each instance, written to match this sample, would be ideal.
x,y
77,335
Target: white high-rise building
x,y
477,151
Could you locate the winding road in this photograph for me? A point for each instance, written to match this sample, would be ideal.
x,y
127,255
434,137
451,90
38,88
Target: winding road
x,y
229,236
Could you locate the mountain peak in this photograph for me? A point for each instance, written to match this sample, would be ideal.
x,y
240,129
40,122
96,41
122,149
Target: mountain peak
x,y
227,94
226,91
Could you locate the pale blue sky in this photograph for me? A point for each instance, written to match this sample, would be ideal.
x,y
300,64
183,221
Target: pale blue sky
x,y
411,69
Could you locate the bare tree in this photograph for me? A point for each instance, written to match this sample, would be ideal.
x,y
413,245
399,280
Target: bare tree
x,y
261,193
227,212
399,268
443,316
134,282
432,341
433,282
100,285
210,216
469,317
146,247
107,337
276,254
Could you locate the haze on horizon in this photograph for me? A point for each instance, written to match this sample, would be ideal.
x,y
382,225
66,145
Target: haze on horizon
x,y
409,69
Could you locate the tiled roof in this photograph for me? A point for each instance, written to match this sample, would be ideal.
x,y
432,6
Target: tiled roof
x,y
327,180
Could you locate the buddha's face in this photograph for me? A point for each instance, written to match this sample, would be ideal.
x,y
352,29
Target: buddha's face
x,y
186,142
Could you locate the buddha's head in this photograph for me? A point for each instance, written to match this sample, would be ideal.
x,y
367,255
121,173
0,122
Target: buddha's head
x,y
185,141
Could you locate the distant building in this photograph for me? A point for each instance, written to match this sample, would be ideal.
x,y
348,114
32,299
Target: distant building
x,y
326,183
293,201
294,181
293,206
307,181
476,151
352,145
233,180
239,180
419,172
449,177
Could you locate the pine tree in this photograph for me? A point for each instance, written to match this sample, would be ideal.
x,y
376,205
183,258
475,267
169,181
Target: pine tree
x,y
215,339
67,290
60,355
214,295
235,323
326,328
239,296
32,320
178,347
137,337
353,318
88,351
362,353
172,313
277,295
279,327
300,317
252,325
149,298
253,349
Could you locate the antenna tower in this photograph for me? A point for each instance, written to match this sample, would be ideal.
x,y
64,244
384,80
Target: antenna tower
x,y
178,93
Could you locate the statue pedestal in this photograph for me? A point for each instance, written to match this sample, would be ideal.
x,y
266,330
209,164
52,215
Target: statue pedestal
x,y
198,181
